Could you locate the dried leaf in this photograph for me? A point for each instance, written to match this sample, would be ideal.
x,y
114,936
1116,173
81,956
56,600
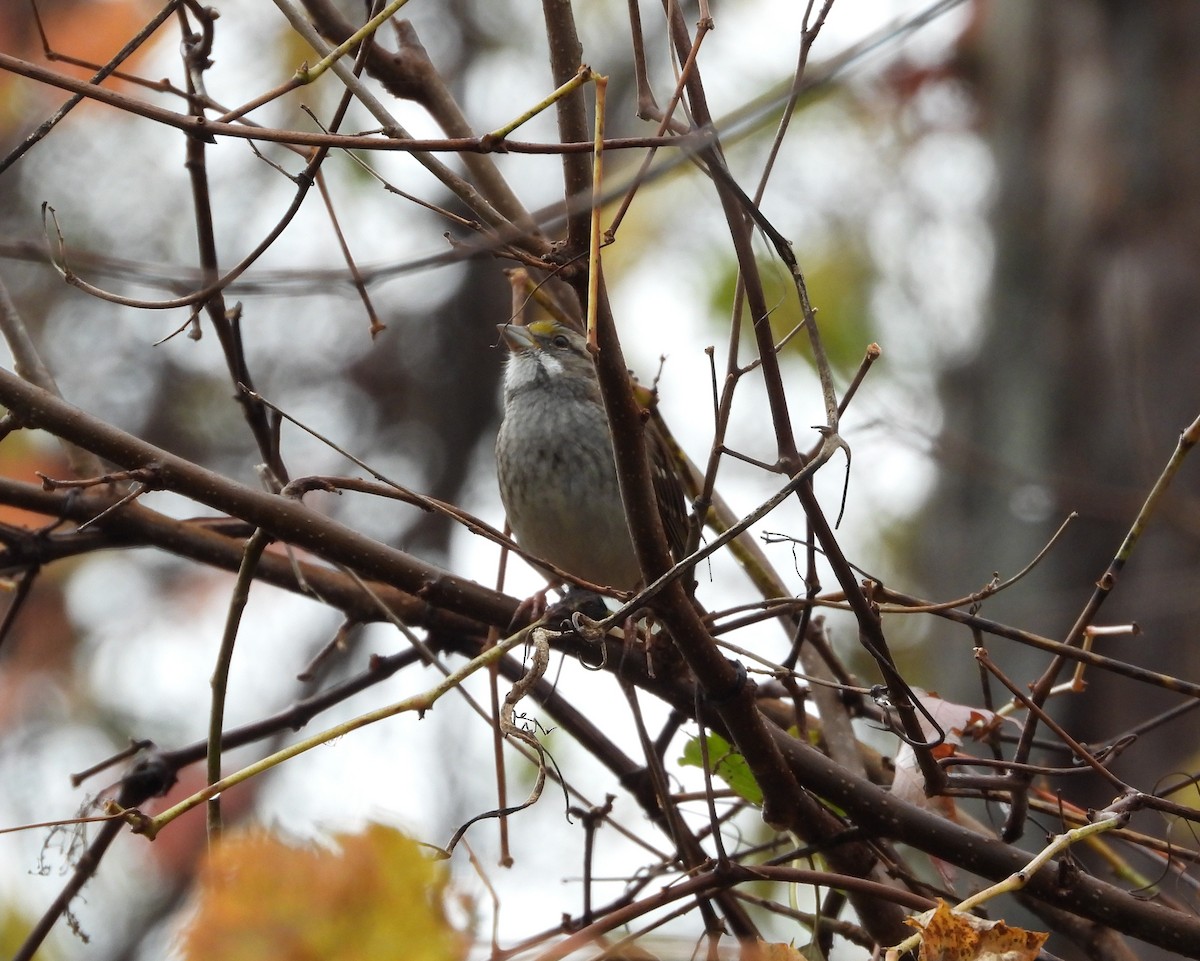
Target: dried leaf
x,y
949,935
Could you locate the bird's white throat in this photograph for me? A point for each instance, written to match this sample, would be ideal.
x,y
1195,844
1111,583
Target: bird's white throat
x,y
527,367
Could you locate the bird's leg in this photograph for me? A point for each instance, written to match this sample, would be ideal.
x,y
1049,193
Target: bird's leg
x,y
531,609
632,637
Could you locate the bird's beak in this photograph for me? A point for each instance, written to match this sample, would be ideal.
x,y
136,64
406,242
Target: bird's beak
x,y
516,338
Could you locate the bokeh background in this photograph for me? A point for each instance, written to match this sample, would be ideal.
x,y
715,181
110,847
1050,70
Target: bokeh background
x,y
1005,198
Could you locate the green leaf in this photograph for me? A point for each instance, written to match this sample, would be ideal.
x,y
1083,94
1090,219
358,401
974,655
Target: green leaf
x,y
839,277
727,764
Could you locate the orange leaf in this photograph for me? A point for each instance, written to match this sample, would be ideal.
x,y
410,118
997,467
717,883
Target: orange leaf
x,y
376,897
949,935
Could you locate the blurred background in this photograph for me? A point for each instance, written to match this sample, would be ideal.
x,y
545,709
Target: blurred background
x,y
1006,198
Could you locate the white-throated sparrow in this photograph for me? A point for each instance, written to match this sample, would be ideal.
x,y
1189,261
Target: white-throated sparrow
x,y
554,458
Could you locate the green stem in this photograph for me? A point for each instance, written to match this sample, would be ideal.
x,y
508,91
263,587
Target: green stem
x,y
306,74
585,74
418,702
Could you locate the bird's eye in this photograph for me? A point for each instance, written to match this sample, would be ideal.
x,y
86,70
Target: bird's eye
x,y
561,341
